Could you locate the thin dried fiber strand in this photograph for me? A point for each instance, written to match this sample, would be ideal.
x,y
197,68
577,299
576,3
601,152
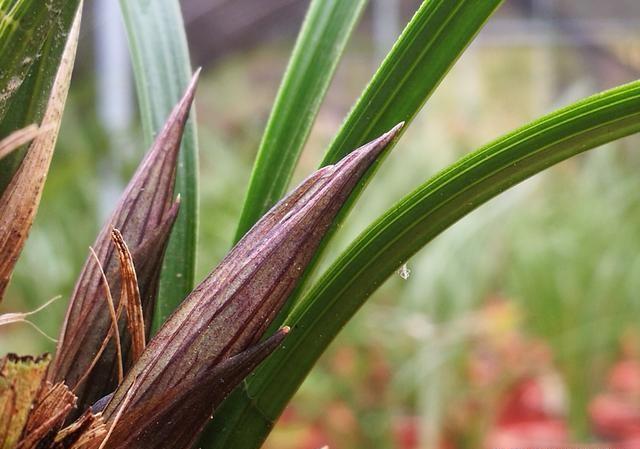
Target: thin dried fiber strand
x,y
19,317
13,317
125,404
18,138
114,328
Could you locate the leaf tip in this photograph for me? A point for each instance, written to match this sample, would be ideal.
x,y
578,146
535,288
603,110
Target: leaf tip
x,y
190,92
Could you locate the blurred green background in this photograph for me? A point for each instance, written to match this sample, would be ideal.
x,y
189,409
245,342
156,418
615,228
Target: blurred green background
x,y
516,327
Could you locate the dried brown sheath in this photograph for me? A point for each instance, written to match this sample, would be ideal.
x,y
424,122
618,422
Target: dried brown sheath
x,y
48,414
19,202
130,295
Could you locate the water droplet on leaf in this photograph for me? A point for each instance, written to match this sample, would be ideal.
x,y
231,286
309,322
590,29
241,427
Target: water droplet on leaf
x,y
404,272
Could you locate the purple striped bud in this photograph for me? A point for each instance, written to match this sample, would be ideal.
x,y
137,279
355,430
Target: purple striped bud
x,y
228,313
144,216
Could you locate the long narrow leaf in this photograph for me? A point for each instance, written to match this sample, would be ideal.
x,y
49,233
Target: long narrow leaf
x,y
429,46
163,71
19,202
320,44
427,49
33,34
402,231
24,28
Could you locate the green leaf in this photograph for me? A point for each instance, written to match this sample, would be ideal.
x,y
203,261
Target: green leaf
x,y
162,71
411,224
20,200
24,28
430,44
320,44
32,37
428,47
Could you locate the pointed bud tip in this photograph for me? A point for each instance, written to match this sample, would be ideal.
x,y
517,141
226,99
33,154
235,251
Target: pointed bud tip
x,y
285,330
393,132
194,79
175,208
190,91
170,215
373,149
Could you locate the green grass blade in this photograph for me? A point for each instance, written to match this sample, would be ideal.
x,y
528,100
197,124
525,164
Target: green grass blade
x,y
32,36
431,43
162,71
408,226
429,46
24,28
318,49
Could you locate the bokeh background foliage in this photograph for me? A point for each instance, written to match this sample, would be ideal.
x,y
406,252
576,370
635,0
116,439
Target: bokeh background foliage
x,y
547,270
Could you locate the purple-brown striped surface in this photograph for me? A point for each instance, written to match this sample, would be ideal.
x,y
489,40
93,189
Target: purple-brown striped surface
x,y
144,216
229,311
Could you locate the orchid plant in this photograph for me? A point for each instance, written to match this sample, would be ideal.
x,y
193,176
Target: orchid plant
x,y
147,359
